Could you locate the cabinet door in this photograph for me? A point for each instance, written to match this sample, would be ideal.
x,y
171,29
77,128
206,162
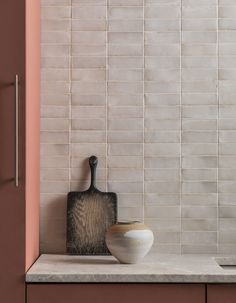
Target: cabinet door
x,y
115,293
12,208
221,293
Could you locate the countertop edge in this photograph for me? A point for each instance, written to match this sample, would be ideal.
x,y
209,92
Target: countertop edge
x,y
67,278
156,269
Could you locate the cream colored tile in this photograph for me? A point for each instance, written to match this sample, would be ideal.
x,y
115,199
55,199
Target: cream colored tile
x,y
53,174
172,50
88,136
199,212
125,62
199,225
85,150
161,162
161,200
54,161
199,238
123,174
88,124
199,37
199,11
162,11
199,98
87,88
89,75
152,87
165,37
129,124
199,24
199,174
125,26
125,187
55,2
55,25
125,111
200,199
92,2
54,124
162,137
125,38
168,75
55,12
162,112
162,212
164,25
89,12
88,25
161,62
162,175
125,162
126,149
54,137
125,100
121,88
195,125
227,11
54,112
132,75
192,50
125,2
199,149
199,162
89,37
162,149
55,62
54,150
87,100
199,187
55,37
162,99
157,124
199,136
124,13
125,50
88,50
88,112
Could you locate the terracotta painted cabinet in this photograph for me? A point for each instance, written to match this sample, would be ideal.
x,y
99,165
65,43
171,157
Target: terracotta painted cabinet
x,y
115,293
221,293
19,143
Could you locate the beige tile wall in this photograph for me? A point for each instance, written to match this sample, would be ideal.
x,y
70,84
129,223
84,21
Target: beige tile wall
x,y
149,86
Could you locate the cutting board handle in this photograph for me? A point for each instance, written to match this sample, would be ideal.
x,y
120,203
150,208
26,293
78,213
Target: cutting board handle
x,y
93,161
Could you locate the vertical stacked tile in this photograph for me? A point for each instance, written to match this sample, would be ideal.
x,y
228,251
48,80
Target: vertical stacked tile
x,y
54,123
125,105
162,122
199,126
88,84
227,126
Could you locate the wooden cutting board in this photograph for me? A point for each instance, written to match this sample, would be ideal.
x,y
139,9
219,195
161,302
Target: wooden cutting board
x,y
89,214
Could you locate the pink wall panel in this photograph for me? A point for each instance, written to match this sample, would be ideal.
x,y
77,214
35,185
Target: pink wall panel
x,y
32,129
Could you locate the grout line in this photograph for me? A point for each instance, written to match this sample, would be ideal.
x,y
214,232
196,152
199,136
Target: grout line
x,y
70,92
180,171
143,143
218,114
107,79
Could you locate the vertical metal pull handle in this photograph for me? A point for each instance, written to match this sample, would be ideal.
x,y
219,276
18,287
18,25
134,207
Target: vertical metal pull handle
x,y
16,130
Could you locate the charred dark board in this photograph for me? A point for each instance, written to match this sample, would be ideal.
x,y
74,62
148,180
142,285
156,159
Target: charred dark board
x,y
89,215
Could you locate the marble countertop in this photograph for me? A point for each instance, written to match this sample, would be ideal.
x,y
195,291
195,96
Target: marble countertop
x,y
153,269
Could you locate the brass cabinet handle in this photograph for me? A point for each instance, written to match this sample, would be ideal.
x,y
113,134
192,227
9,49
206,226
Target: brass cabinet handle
x,y
16,130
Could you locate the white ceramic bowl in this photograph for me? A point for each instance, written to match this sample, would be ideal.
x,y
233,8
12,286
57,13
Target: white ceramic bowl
x,y
129,242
